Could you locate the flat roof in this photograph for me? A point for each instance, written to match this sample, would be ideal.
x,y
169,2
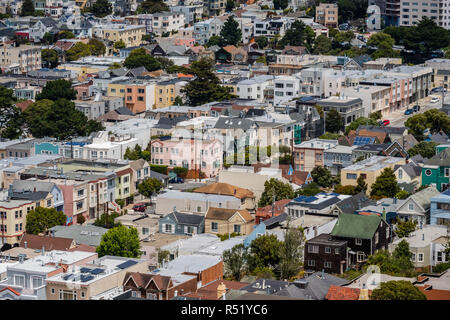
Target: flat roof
x,y
373,163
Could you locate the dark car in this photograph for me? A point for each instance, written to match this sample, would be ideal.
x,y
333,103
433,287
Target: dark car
x,y
141,207
416,108
408,111
177,180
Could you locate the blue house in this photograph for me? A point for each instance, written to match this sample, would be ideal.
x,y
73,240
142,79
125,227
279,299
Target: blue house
x,y
261,228
182,223
46,148
440,208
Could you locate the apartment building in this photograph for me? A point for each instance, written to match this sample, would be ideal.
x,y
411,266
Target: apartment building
x,y
164,22
13,219
204,30
192,13
286,88
310,154
270,27
131,35
374,98
349,108
253,88
411,12
327,15
140,96
19,59
167,91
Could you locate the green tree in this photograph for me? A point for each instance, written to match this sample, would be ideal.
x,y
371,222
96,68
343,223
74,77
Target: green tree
x,y
163,255
215,41
426,149
261,41
150,186
354,125
231,33
404,228
10,115
332,32
333,121
115,65
152,6
235,261
264,252
344,36
107,220
350,190
322,176
277,188
120,241
78,51
41,219
311,189
140,58
101,8
81,219
180,171
27,8
433,119
264,273
330,136
402,257
178,101
291,252
49,58
298,35
384,44
119,44
397,290
385,185
230,5
48,38
206,86
57,89
97,47
65,34
402,194
322,44
280,4
375,115
361,184
319,110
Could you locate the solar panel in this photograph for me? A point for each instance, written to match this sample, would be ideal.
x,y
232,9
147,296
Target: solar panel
x,y
300,199
97,271
310,199
126,264
361,141
86,278
67,276
85,270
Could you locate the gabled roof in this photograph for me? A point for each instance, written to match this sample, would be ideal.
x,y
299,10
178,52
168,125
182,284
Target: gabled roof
x,y
49,243
48,22
186,218
230,123
226,214
410,169
226,189
124,111
276,219
442,159
356,226
142,280
356,202
423,197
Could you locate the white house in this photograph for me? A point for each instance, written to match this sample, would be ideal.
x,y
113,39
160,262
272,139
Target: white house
x,y
253,88
286,88
40,28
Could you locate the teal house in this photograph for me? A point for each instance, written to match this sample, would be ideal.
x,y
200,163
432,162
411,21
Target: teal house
x,y
46,148
436,171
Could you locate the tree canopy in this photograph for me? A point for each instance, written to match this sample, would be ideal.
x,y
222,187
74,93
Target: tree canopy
x,y
384,44
265,252
152,6
136,154
101,8
397,290
150,186
291,252
354,125
231,33
57,89
261,41
432,119
277,188
27,8
49,58
235,261
322,176
10,115
280,4
298,35
322,44
333,121
120,241
40,219
385,185
140,58
404,228
426,149
206,86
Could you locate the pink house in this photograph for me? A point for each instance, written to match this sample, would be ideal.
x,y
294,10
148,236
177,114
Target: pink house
x,y
193,154
185,42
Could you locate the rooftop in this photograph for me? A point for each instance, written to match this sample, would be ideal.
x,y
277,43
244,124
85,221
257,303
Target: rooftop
x,y
374,163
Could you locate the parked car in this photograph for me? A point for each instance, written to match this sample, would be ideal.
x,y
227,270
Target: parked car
x,y
344,27
434,100
386,122
438,89
416,108
177,180
408,111
141,207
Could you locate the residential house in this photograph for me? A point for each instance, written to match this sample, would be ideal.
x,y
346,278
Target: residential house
x,y
408,173
349,108
386,208
440,208
327,14
46,243
337,158
436,171
270,211
167,22
82,234
224,221
310,154
181,223
369,168
354,203
321,204
246,196
13,219
43,26
129,34
417,206
41,186
19,59
253,88
364,235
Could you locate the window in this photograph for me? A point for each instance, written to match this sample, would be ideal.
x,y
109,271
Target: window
x,y
411,207
360,256
387,232
420,257
19,281
168,228
53,290
313,249
311,263
351,176
447,172
439,256
428,172
400,174
237,228
49,203
327,250
214,226
36,282
145,231
358,242
413,257
337,251
327,264
83,294
376,238
67,295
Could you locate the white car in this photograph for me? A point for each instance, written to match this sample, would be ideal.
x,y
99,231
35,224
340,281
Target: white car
x,y
434,100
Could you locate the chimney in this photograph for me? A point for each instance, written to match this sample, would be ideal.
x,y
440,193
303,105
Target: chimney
x,y
175,293
221,290
364,293
25,244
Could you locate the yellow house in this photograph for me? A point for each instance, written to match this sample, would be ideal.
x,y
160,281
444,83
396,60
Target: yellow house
x,y
13,214
225,221
164,94
369,168
116,90
129,34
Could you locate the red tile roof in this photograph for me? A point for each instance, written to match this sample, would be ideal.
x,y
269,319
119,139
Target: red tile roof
x,y
23,105
209,292
266,212
124,172
343,293
434,294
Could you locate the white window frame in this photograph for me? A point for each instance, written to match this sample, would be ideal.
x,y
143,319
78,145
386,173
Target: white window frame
x,y
328,264
19,276
311,263
36,277
420,254
358,254
358,242
327,249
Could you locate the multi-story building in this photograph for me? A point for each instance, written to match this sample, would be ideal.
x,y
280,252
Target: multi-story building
x,y
167,91
411,12
374,98
270,27
164,22
204,30
191,13
19,59
140,96
337,158
440,208
131,35
13,219
253,88
349,108
286,88
310,154
436,171
327,14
